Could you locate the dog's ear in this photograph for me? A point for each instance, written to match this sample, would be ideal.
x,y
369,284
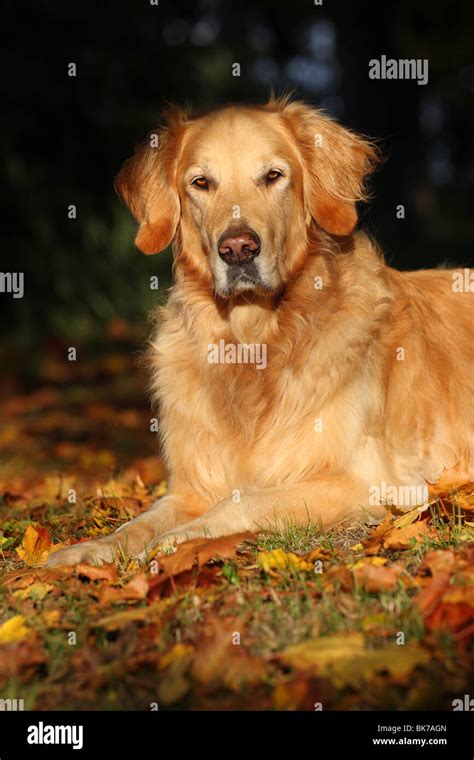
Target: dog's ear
x,y
147,184
335,164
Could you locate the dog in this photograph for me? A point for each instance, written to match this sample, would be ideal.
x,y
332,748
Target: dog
x,y
367,384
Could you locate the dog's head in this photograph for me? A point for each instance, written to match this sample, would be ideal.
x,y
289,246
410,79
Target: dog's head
x,y
239,188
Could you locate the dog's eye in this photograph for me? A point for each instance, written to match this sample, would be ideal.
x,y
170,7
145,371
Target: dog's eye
x,y
273,175
201,182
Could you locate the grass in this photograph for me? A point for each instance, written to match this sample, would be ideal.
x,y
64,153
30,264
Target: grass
x,y
176,649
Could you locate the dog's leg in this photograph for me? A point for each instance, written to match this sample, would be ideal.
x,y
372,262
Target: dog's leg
x,y
325,502
133,538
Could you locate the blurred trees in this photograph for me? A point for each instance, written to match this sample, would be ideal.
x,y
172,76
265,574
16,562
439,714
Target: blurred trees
x,y
64,138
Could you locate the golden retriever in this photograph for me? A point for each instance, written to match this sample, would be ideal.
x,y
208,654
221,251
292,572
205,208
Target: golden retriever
x,y
298,377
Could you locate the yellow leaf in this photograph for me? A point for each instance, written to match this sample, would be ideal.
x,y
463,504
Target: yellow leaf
x,y
177,652
51,618
408,518
319,654
345,661
14,630
280,560
121,619
36,591
357,548
35,547
376,561
289,696
373,621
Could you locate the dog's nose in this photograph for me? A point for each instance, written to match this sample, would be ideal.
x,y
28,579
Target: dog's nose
x,y
240,247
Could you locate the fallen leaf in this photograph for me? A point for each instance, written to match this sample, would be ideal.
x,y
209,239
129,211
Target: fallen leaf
x,y
135,589
279,560
317,654
177,652
35,546
404,538
51,618
374,578
376,561
459,595
219,660
409,517
291,695
373,543
123,618
428,599
450,478
105,572
439,561
36,591
198,551
344,660
14,630
174,684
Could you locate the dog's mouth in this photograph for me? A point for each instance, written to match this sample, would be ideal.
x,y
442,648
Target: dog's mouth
x,y
240,277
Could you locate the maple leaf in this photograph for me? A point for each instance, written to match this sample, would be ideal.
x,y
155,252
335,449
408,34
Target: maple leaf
x,y
373,543
35,547
198,551
450,478
403,538
14,630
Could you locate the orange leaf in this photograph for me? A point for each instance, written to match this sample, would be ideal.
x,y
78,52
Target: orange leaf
x,y
35,547
106,572
403,538
378,578
135,589
198,551
219,659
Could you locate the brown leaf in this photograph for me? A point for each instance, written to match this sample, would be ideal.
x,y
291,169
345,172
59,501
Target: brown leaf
x,y
18,660
135,589
198,551
439,561
373,543
429,598
106,572
218,660
375,578
403,538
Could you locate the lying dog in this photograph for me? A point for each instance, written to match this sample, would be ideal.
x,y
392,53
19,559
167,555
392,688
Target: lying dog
x,y
298,377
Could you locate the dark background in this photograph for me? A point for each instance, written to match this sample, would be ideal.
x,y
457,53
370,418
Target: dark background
x,y
64,138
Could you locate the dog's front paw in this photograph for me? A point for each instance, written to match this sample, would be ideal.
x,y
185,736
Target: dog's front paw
x,y
88,552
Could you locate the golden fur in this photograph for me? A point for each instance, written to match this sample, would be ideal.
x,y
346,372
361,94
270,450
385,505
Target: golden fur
x,y
368,376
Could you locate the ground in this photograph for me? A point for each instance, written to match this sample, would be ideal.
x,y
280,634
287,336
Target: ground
x,y
365,617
